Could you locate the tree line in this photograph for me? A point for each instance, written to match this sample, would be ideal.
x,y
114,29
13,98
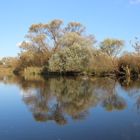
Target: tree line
x,y
56,48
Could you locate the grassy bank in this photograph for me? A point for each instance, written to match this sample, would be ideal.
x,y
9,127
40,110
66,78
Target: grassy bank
x,y
6,71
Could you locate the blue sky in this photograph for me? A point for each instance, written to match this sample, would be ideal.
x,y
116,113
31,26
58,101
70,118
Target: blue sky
x,y
103,18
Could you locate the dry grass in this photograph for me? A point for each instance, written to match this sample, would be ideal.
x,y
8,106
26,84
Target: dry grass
x,y
6,71
32,71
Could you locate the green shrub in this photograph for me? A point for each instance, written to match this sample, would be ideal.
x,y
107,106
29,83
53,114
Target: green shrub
x,y
75,59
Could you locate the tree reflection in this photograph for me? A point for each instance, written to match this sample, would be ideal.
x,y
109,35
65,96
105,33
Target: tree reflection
x,y
74,95
57,99
114,102
133,91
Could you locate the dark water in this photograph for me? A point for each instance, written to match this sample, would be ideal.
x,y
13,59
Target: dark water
x,y
69,109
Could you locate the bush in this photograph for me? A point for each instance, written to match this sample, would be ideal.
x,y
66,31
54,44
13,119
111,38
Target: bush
x,y
131,62
102,64
32,71
70,59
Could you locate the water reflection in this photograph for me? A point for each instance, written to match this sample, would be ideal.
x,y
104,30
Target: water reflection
x,y
57,99
133,90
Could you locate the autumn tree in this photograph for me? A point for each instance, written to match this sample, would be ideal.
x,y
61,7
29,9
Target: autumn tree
x,y
111,47
74,56
9,62
54,32
35,50
44,41
75,27
136,45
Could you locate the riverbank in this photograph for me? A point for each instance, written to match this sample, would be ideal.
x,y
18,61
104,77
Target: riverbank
x,y
5,71
39,71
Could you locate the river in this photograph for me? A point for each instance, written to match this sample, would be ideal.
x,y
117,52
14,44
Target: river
x,y
69,109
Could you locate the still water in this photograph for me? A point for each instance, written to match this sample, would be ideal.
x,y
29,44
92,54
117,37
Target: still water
x,y
69,109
